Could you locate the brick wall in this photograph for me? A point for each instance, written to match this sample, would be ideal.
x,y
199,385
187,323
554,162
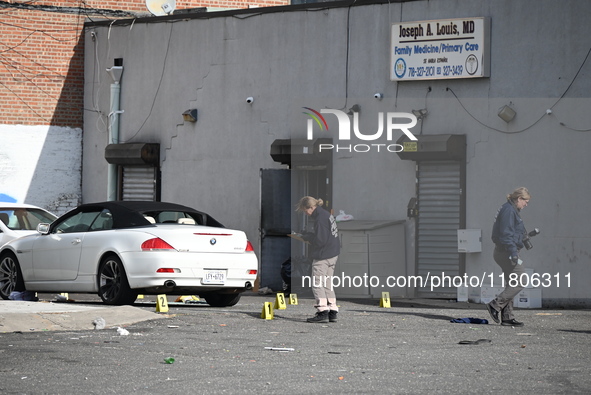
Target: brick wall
x,y
41,55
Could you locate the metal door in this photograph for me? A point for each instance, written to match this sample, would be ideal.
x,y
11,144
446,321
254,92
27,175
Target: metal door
x,y
138,183
441,205
275,225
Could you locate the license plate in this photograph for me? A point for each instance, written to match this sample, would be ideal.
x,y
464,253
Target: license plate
x,y
214,277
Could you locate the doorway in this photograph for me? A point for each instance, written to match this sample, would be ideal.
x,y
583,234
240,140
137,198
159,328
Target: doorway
x,y
308,173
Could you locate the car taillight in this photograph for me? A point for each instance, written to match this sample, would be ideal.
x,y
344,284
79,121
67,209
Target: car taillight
x,y
168,270
249,246
252,272
156,244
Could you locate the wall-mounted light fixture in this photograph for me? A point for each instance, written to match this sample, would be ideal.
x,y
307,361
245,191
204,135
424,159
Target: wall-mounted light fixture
x,y
420,114
190,115
378,96
250,99
506,113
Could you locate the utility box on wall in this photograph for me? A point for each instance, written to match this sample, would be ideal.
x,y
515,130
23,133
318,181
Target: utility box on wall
x,y
372,253
469,240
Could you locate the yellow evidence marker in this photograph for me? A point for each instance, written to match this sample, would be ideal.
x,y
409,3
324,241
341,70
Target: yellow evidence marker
x,y
267,312
280,301
161,304
293,299
385,301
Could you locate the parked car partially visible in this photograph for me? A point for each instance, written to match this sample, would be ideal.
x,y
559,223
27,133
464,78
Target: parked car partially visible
x,y
121,249
18,220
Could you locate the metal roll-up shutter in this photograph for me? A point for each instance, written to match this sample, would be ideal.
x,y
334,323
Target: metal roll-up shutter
x,y
138,183
440,204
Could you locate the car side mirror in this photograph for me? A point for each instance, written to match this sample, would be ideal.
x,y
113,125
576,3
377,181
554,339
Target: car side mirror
x,y
43,228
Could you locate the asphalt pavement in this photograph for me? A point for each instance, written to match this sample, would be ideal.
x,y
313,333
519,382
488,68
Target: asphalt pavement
x,y
409,348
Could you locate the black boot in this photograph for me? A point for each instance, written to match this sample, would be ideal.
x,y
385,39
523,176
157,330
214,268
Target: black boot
x,y
512,322
332,316
321,316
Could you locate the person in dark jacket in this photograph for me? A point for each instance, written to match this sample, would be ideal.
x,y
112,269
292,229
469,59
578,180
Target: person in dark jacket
x,y
508,234
325,247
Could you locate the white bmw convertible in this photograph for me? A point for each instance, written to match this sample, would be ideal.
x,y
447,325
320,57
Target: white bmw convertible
x,y
121,249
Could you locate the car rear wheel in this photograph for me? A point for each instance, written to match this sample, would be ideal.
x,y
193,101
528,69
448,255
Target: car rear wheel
x,y
222,300
113,285
11,278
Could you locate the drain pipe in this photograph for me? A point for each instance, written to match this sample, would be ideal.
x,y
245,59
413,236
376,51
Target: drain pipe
x,y
113,124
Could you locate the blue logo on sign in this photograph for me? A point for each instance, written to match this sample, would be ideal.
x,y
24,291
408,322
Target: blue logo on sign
x,y
400,68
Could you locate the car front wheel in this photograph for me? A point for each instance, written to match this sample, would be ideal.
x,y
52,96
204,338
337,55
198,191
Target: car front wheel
x,y
222,300
11,278
113,285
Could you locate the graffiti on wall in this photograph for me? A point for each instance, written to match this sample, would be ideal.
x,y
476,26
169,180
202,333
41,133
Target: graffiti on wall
x,y
7,199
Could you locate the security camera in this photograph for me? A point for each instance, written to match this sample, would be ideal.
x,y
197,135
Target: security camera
x,y
378,96
249,99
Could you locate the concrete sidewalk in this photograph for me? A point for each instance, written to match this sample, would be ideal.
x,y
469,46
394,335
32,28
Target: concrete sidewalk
x,y
50,316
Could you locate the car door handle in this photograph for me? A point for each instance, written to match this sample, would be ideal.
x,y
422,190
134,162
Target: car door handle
x,y
76,241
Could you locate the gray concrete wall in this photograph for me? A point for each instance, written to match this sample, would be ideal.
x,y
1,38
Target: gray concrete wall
x,y
334,58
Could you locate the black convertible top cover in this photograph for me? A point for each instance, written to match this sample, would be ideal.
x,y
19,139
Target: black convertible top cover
x,y
128,214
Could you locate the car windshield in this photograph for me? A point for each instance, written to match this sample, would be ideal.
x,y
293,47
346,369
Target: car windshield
x,y
180,217
164,217
25,218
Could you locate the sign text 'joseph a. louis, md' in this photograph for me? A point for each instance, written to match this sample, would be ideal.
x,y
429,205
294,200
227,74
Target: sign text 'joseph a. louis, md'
x,y
440,49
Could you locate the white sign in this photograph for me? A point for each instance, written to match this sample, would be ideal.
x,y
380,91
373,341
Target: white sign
x,y
440,49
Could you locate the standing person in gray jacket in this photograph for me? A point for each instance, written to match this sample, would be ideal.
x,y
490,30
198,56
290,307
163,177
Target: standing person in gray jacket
x,y
324,251
508,234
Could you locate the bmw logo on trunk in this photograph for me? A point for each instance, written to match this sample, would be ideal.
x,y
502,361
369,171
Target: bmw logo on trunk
x,y
212,241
